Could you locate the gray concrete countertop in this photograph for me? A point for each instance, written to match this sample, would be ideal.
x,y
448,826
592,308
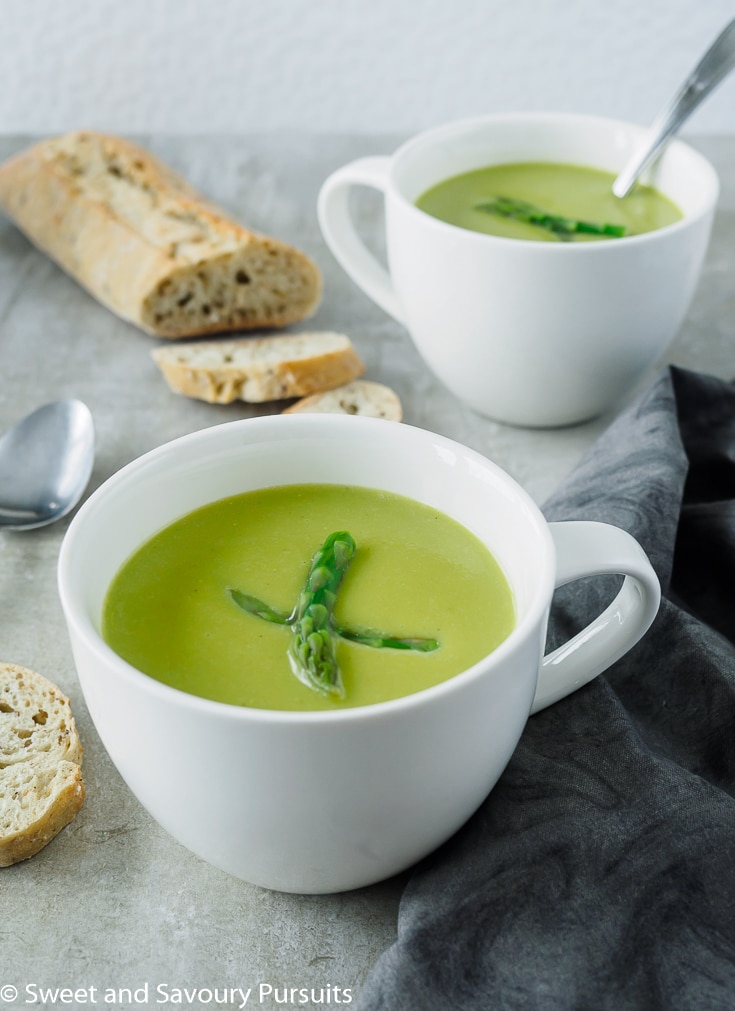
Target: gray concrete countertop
x,y
113,902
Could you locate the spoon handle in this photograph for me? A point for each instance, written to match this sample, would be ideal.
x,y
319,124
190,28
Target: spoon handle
x,y
716,63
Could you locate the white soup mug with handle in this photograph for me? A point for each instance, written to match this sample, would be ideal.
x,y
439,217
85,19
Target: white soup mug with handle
x,y
333,800
529,333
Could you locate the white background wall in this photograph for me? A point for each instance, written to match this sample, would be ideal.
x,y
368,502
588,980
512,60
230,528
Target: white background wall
x,y
359,65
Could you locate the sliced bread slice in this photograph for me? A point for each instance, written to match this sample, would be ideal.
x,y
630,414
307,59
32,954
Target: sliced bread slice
x,y
258,369
41,786
360,397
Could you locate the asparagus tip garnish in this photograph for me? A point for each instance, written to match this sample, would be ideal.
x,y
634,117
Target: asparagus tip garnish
x,y
311,650
252,605
564,228
378,640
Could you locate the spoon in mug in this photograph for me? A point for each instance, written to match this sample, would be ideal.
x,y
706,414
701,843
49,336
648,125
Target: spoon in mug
x,y
45,464
716,64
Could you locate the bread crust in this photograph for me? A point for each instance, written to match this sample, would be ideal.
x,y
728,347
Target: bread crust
x,y
51,816
361,397
41,786
146,245
257,370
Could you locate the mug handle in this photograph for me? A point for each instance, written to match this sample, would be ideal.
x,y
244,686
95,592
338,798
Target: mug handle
x,y
339,233
588,549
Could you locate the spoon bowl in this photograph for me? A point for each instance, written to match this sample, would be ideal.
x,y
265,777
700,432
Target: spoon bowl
x,y
45,464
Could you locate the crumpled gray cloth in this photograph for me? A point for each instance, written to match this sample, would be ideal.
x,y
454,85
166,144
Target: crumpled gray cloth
x,y
600,872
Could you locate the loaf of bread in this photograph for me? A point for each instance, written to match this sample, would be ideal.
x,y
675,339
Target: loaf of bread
x,y
143,242
257,369
41,786
361,397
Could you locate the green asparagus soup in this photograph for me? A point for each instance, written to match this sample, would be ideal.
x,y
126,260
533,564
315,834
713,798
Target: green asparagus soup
x,y
546,202
308,597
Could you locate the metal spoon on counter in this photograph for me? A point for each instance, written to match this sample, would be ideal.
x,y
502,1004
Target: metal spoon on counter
x,y
45,464
715,65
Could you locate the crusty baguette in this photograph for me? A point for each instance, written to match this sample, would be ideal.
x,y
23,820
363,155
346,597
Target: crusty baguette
x,y
147,245
362,397
258,369
41,786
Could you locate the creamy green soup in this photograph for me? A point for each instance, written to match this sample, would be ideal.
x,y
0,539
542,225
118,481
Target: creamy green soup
x,y
572,193
415,572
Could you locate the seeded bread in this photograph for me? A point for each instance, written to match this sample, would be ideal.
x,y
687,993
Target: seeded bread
x,y
258,369
362,397
143,242
41,786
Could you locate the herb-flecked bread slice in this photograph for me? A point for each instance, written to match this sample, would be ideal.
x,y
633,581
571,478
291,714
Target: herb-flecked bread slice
x,y
144,243
41,786
360,397
258,369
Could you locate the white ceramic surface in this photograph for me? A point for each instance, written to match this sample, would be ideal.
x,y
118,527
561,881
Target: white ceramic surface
x,y
319,802
529,333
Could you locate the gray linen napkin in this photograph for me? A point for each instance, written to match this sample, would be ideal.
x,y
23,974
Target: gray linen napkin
x,y
600,872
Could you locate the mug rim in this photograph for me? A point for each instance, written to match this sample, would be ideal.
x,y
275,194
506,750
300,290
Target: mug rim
x,y
435,134
79,622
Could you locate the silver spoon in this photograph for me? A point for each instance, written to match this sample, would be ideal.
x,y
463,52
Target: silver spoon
x,y
716,63
45,464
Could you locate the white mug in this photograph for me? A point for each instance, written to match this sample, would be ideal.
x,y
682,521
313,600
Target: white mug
x,y
529,333
328,801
